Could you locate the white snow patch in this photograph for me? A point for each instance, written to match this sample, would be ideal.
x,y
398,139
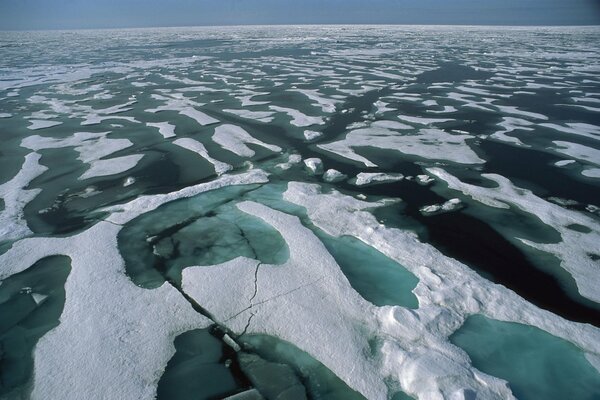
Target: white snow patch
x,y
370,178
591,172
314,165
427,143
261,116
333,175
234,139
414,349
563,163
450,205
197,147
92,147
312,135
572,251
166,129
36,124
578,151
12,221
326,104
298,118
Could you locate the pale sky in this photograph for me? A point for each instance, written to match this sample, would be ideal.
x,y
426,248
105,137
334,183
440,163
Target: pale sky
x,y
67,14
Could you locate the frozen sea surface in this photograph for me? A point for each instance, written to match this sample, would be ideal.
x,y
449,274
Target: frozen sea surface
x,y
319,212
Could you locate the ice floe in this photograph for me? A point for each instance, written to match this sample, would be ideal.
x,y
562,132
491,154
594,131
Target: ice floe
x,y
298,118
573,250
426,143
197,147
371,178
184,106
92,148
166,129
16,196
450,205
413,346
312,135
261,116
235,138
333,175
314,165
113,331
327,104
578,151
36,124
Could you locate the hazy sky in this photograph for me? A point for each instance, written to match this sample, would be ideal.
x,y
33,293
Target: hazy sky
x,y
53,14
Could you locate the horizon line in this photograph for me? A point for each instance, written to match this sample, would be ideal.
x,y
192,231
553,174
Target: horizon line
x,y
302,24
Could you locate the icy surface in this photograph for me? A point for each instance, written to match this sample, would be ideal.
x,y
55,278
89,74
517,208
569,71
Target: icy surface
x,y
416,351
574,247
314,165
235,138
427,143
15,196
505,120
369,178
333,175
197,147
298,118
92,148
164,128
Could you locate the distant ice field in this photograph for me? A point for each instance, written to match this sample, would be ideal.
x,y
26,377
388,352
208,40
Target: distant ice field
x,y
340,212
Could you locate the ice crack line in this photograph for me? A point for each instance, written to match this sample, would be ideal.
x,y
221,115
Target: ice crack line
x,y
275,297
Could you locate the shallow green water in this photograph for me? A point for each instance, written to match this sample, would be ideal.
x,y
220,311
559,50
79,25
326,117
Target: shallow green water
x,y
376,277
536,364
319,381
30,305
203,230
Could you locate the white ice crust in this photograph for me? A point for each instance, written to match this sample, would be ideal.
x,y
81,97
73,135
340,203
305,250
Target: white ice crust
x,y
298,118
314,165
413,347
197,147
12,221
574,247
166,129
261,116
369,178
312,135
333,175
92,148
36,124
184,106
114,338
427,143
234,139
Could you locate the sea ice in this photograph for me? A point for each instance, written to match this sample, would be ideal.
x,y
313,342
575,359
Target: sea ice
x,y
314,165
415,350
426,143
298,118
578,151
36,124
15,195
370,178
261,116
234,139
197,147
450,205
92,148
572,250
312,135
166,129
333,175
